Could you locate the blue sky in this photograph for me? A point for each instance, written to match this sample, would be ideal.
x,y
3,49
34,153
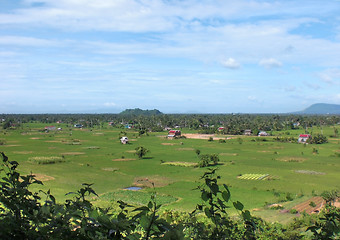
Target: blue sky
x,y
193,56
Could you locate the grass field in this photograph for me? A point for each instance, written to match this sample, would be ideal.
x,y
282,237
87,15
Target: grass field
x,y
273,171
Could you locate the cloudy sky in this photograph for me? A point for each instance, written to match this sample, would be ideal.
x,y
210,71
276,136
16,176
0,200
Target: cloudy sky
x,y
192,56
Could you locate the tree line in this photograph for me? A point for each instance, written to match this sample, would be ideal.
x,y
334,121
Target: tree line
x,y
233,124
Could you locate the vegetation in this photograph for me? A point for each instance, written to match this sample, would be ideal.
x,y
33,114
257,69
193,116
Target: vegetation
x,y
141,151
26,215
318,139
295,172
138,112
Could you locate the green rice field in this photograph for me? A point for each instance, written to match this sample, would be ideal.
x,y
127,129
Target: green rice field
x,y
259,172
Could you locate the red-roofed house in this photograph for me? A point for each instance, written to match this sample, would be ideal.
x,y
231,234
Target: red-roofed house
x,y
303,138
50,128
174,133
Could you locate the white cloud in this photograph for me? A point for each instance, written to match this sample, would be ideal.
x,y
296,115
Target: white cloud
x,y
252,98
231,63
270,63
330,76
312,86
110,104
27,41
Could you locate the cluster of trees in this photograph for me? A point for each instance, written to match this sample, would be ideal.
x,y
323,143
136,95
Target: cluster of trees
x,y
317,139
27,215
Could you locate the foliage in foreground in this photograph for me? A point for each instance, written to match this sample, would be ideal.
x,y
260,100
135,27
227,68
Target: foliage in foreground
x,y
37,215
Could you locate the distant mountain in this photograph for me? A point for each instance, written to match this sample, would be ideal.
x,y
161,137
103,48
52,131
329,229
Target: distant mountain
x,y
321,108
138,111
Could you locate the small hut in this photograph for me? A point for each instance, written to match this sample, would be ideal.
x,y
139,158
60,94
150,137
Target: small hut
x,y
303,138
174,133
124,140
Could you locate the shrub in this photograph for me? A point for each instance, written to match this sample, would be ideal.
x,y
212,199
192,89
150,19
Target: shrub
x,y
317,139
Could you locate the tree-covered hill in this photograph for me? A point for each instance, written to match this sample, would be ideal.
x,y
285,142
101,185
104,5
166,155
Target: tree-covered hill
x,y
138,112
321,108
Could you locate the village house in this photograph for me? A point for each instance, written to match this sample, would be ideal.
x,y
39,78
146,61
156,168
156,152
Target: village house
x,y
124,140
263,134
174,133
247,132
50,128
220,129
303,138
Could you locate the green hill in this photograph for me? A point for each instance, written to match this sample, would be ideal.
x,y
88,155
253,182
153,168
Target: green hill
x,y
138,112
321,108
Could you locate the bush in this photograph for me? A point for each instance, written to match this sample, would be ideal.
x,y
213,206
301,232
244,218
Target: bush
x,y
317,139
208,160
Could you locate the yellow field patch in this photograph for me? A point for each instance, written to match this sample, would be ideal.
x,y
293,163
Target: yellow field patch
x,y
185,149
123,159
23,152
181,164
72,153
168,144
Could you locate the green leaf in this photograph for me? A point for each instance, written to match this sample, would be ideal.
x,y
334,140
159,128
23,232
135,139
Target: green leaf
x,y
238,205
144,221
226,195
214,188
205,196
150,205
144,208
246,215
207,212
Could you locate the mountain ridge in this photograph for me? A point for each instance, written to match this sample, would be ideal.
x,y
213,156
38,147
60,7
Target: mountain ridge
x,y
321,108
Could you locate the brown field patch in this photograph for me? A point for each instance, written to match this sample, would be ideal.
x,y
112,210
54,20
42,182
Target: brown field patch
x,y
306,206
43,177
168,144
310,172
264,151
185,149
110,169
152,181
292,159
34,138
53,141
202,136
23,152
11,145
123,159
72,153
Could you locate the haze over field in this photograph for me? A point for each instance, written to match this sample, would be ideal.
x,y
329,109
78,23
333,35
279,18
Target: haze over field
x,y
175,56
